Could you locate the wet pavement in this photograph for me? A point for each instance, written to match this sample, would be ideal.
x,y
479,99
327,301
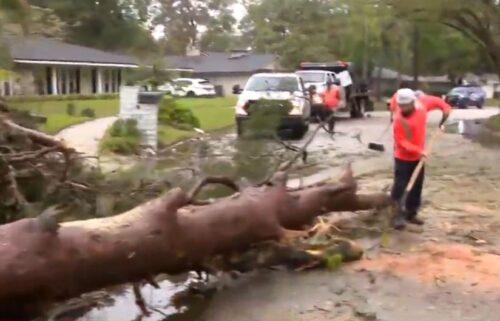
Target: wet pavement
x,y
447,271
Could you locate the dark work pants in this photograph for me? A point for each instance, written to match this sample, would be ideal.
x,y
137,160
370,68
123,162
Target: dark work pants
x,y
331,123
402,174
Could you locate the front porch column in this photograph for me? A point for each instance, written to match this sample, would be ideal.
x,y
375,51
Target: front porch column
x,y
54,81
99,81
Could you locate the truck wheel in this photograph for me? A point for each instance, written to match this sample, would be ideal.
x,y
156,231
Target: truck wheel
x,y
358,110
300,130
191,94
356,113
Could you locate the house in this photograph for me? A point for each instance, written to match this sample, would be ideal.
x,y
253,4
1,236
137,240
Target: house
x,y
46,66
387,81
224,69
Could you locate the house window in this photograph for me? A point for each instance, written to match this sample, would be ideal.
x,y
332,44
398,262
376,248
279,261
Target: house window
x,y
62,81
107,82
40,86
77,74
6,88
119,78
94,80
74,81
48,80
113,80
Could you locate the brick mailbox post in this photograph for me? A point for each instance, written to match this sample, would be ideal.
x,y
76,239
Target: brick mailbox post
x,y
143,107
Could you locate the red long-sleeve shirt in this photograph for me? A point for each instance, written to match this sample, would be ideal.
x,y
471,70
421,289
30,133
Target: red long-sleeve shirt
x,y
331,98
409,132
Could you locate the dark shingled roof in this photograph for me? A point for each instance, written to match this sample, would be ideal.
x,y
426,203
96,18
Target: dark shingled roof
x,y
47,49
220,62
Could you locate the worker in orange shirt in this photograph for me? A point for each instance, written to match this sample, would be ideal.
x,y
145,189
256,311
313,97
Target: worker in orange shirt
x,y
331,100
410,119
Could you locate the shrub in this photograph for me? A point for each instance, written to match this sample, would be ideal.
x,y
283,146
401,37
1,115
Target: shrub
x,y
265,117
181,118
121,145
122,138
88,112
71,109
61,97
125,128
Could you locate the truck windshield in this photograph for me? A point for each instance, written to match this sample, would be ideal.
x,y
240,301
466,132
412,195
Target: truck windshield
x,y
310,77
267,83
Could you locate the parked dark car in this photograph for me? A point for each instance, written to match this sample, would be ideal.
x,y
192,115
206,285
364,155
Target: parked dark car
x,y
466,96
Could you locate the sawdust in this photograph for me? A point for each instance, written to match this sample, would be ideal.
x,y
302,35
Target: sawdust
x,y
442,263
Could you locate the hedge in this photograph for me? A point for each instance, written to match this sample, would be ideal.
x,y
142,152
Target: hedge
x,y
24,99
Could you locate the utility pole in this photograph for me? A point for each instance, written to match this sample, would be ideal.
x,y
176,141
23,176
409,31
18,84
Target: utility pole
x,y
416,54
366,50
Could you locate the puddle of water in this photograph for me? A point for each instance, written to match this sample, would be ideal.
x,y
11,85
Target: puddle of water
x,y
172,301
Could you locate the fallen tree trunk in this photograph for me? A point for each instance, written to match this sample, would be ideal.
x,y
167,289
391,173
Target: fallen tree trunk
x,y
43,263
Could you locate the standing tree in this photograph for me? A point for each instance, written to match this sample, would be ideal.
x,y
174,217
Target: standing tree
x,y
299,30
478,21
184,21
109,24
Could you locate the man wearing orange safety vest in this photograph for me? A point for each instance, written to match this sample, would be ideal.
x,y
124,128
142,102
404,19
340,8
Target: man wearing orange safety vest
x,y
331,100
410,118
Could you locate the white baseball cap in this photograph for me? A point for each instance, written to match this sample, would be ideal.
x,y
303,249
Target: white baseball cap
x,y
405,96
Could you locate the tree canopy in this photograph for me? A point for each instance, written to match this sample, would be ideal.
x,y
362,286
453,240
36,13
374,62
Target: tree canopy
x,y
439,36
107,24
425,37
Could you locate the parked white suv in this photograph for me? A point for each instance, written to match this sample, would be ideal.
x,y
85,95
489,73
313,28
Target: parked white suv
x,y
275,86
193,87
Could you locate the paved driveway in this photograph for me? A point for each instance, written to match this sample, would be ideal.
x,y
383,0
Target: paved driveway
x,y
85,137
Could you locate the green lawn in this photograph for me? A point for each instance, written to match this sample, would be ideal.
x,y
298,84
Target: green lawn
x,y
213,113
57,122
493,102
168,135
58,119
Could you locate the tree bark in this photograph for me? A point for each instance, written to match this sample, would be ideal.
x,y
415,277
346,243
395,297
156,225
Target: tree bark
x,y
43,263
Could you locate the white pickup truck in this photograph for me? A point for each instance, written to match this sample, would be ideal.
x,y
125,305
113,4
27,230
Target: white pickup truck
x,y
275,86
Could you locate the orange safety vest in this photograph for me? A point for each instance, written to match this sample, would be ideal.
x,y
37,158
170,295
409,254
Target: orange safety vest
x,y
409,132
331,97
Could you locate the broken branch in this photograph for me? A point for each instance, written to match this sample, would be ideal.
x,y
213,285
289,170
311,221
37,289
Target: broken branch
x,y
212,180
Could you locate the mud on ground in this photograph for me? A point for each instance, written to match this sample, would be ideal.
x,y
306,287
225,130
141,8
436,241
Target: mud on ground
x,y
447,271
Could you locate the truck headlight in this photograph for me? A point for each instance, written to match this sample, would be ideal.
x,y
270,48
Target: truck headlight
x,y
298,107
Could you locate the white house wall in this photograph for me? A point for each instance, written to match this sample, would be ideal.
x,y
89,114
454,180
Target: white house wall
x,y
32,79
